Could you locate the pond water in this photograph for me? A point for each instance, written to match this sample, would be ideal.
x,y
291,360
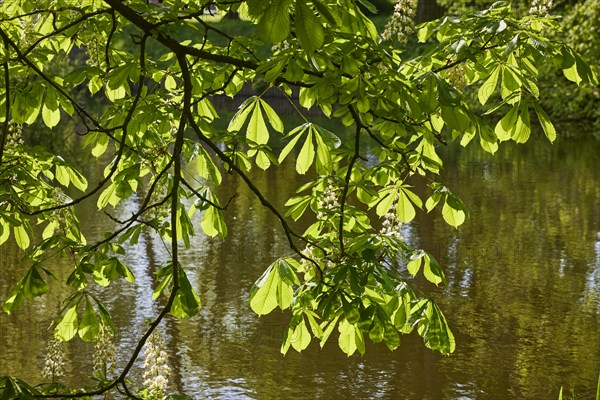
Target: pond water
x,y
523,294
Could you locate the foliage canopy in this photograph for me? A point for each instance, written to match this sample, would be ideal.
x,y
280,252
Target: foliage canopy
x,y
351,271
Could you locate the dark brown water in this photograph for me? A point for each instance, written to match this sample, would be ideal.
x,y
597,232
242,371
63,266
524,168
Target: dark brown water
x,y
523,296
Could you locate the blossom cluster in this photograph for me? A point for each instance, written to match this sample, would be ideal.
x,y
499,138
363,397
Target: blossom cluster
x,y
156,370
328,201
54,366
402,23
104,354
540,7
391,224
15,135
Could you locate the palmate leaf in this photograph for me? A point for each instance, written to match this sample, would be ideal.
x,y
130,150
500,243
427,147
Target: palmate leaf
x,y
90,325
28,287
455,118
187,302
272,116
435,331
274,288
241,116
14,388
489,86
300,338
257,128
522,128
505,126
547,125
213,222
575,69
67,328
453,211
306,155
350,339
309,30
274,26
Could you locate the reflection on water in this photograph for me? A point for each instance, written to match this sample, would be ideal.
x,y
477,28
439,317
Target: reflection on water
x,y
523,294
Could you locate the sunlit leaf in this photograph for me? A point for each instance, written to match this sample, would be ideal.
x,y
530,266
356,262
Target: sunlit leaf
x,y
66,329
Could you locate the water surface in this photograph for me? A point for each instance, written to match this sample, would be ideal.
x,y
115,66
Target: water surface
x,y
523,294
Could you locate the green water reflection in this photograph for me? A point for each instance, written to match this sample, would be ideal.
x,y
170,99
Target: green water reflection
x,y
523,296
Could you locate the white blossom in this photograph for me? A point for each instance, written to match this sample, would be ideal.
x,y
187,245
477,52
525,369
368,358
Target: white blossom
x,y
328,200
104,354
540,7
402,23
156,370
54,366
391,224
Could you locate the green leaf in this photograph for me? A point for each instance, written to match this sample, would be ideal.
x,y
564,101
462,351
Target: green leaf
x,y
522,129
272,116
432,271
511,86
100,146
511,46
569,66
455,118
330,325
452,216
376,332
108,196
309,30
323,155
300,338
385,204
257,129
51,117
89,326
347,339
404,209
21,237
124,271
206,168
66,329
263,295
274,288
274,26
77,179
433,201
505,126
62,175
391,338
241,116
414,265
306,156
402,316
487,89
163,277
328,137
288,147
435,331
115,94
286,269
298,206
213,222
28,287
186,303
547,125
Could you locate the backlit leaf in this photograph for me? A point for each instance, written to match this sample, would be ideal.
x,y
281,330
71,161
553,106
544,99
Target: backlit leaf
x,y
306,156
66,329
